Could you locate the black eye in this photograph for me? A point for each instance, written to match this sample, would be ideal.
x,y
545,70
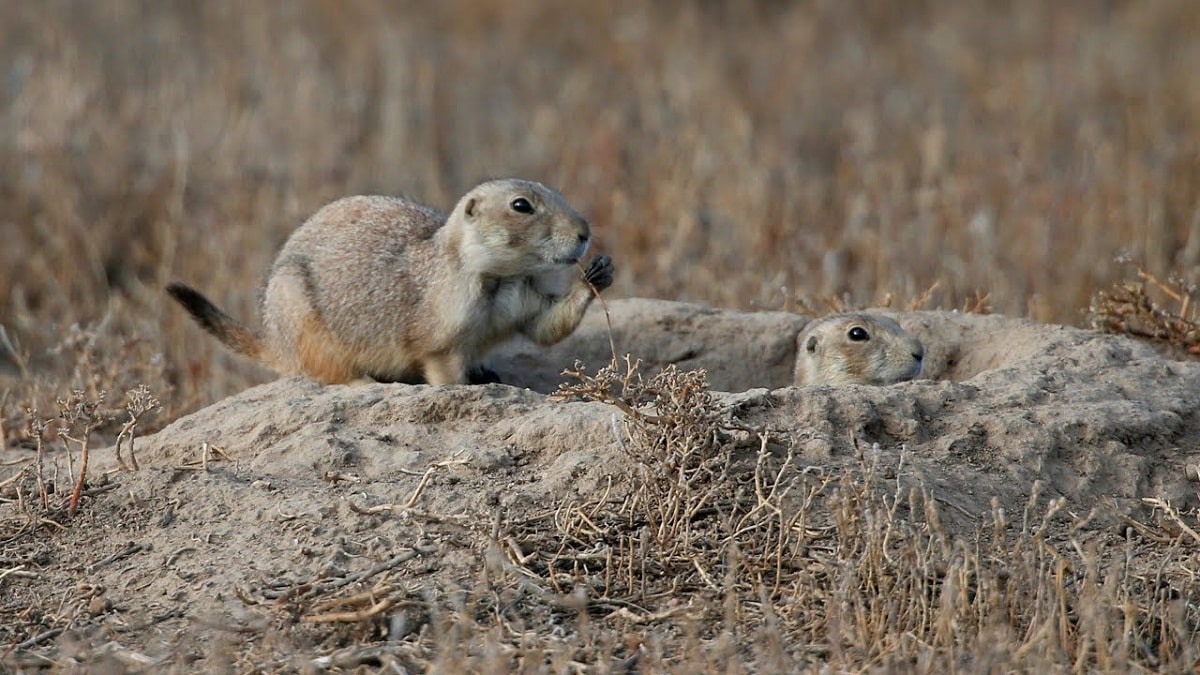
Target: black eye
x,y
811,346
521,205
858,334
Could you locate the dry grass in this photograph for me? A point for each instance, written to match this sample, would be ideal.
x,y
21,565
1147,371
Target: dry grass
x,y
980,155
761,155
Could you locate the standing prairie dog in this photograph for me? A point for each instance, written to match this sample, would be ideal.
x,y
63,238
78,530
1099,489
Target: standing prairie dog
x,y
387,289
856,348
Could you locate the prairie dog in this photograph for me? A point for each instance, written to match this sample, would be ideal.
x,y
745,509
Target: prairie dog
x,y
856,348
391,290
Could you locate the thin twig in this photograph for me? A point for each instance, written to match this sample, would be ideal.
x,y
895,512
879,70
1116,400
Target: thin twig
x,y
317,588
130,550
19,572
40,638
351,617
1173,515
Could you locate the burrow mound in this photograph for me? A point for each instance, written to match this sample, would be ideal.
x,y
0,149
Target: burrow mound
x,y
273,486
1002,402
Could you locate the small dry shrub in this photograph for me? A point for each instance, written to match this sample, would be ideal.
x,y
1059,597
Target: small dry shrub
x,y
90,360
681,462
74,432
1150,308
699,496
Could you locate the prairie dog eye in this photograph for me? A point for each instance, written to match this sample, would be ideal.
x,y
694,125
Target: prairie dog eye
x,y
521,205
811,346
858,334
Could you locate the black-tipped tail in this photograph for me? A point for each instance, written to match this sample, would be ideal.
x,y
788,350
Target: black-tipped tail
x,y
210,317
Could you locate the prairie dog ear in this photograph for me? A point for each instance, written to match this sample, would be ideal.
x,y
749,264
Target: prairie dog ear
x,y
810,345
471,207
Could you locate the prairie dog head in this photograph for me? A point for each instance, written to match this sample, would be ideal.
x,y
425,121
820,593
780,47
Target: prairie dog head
x,y
856,348
515,227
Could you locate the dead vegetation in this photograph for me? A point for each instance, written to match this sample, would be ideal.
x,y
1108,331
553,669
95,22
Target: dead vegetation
x,y
907,155
1150,308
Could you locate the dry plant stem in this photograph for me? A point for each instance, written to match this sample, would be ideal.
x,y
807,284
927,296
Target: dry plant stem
x,y
923,298
139,401
77,491
600,394
39,639
612,346
81,411
14,478
352,617
1176,295
1174,516
19,573
126,434
130,550
37,429
420,486
317,588
18,358
365,598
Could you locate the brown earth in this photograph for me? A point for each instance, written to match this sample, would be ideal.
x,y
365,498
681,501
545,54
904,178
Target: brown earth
x,y
241,508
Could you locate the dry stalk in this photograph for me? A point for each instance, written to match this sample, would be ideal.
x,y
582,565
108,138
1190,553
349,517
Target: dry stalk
x,y
604,305
412,500
1174,516
352,616
81,414
139,402
18,357
37,430
15,477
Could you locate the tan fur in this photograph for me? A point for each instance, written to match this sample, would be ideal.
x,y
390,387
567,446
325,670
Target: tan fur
x,y
827,353
384,288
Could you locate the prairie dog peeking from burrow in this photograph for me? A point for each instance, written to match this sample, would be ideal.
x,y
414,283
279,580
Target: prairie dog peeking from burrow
x,y
856,348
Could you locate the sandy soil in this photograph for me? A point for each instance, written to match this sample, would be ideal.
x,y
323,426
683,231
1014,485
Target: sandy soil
x,y
291,482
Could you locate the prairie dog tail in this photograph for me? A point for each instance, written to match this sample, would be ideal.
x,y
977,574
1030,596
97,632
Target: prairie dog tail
x,y
224,327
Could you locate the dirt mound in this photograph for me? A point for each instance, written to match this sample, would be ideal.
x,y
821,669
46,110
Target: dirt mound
x,y
292,482
1099,419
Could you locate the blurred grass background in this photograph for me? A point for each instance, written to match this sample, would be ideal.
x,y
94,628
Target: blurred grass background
x,y
744,154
